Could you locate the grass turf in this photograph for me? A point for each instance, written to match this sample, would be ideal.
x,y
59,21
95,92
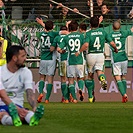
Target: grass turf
x,y
98,117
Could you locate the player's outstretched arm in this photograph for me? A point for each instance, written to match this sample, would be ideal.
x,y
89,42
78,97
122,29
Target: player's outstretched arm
x,y
100,19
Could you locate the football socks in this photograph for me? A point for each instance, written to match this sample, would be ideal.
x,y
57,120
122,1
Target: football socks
x,y
63,88
81,84
125,85
49,89
102,77
121,87
72,91
90,87
41,86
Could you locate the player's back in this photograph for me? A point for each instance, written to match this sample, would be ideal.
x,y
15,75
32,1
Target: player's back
x,y
119,37
74,41
96,39
46,42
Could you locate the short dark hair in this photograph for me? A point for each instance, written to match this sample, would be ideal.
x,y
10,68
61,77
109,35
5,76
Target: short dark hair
x,y
83,26
63,28
73,26
49,25
105,4
94,21
13,50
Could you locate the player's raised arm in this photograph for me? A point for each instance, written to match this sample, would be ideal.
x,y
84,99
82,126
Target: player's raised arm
x,y
40,21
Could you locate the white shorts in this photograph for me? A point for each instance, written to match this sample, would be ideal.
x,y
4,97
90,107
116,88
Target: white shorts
x,y
95,62
75,71
120,68
47,67
63,68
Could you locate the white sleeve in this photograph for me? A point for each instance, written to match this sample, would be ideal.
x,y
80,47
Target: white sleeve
x,y
1,86
28,79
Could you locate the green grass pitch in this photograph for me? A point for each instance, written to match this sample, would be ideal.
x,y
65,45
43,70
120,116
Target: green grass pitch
x,y
98,117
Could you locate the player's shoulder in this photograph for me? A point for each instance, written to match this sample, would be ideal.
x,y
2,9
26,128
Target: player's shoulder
x,y
3,68
67,36
54,32
101,30
43,33
123,32
62,35
75,34
88,32
25,70
59,36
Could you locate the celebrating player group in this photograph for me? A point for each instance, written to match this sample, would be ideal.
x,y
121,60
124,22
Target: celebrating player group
x,y
80,53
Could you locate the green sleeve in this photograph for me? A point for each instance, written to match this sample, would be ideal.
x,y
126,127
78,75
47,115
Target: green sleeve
x,y
87,38
108,38
83,39
127,33
55,42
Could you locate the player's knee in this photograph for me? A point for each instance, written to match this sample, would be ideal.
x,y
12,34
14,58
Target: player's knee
x,y
2,114
6,119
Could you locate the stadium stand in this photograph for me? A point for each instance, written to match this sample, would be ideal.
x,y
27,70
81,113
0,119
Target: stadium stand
x,y
25,32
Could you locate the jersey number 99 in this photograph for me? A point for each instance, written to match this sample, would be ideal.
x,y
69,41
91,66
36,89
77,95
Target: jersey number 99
x,y
74,44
